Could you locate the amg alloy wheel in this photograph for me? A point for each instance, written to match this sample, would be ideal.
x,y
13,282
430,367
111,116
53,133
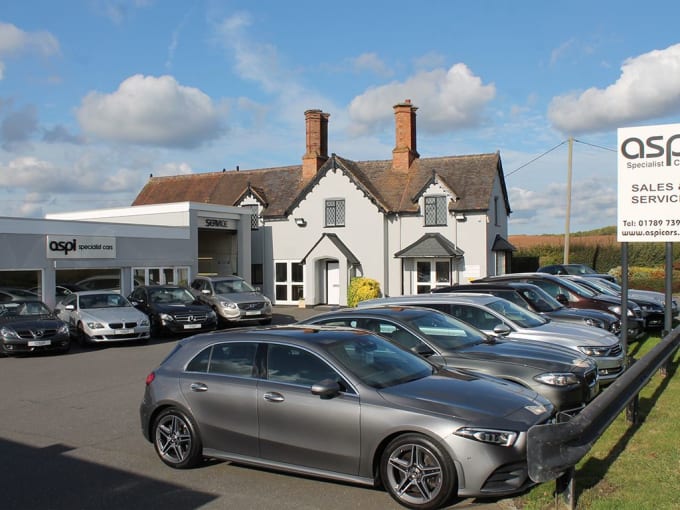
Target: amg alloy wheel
x,y
417,472
176,440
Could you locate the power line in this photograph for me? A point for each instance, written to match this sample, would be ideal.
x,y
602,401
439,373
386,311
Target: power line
x,y
557,146
535,159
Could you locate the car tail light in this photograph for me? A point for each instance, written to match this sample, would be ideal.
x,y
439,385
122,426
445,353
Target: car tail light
x,y
150,378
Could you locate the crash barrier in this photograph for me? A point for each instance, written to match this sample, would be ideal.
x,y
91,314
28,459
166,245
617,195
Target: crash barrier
x,y
553,450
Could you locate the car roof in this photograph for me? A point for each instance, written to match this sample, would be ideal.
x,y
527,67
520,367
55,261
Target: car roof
x,y
219,278
441,297
91,292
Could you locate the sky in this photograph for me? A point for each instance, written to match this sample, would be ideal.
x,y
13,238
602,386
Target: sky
x,y
98,95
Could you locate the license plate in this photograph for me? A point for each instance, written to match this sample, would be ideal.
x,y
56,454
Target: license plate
x,y
123,331
192,326
256,312
38,343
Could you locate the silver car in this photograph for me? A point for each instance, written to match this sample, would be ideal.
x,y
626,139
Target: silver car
x,y
233,299
498,316
342,404
99,316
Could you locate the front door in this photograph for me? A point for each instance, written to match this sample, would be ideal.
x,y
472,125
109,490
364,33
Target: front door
x,y
333,283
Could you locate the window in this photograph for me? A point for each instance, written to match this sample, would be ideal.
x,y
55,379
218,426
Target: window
x,y
254,217
296,366
431,274
496,218
335,213
289,281
435,211
234,359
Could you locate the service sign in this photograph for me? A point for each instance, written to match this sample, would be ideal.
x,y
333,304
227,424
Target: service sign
x,y
649,184
219,223
81,247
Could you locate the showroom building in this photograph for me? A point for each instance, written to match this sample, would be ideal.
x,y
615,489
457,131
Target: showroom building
x,y
121,248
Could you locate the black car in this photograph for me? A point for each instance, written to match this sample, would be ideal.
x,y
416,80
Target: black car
x,y
573,295
537,300
568,379
575,269
173,309
29,326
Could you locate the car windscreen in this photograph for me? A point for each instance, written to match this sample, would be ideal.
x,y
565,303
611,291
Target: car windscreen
x,y
103,300
540,300
520,316
376,362
578,289
232,287
23,309
171,296
444,331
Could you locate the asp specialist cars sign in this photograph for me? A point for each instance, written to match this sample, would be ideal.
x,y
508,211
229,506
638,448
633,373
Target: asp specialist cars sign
x,y
81,247
649,184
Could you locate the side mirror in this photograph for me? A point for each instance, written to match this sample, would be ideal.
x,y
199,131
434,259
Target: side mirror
x,y
327,388
501,330
206,292
562,299
70,307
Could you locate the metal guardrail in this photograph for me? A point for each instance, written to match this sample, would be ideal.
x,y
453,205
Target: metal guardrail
x,y
554,449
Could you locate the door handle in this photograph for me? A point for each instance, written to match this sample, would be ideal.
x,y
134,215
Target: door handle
x,y
274,397
198,387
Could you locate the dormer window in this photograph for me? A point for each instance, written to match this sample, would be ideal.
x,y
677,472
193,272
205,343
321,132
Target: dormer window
x,y
435,211
254,217
335,213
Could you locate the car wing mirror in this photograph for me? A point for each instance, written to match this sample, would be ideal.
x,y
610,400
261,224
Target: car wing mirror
x,y
422,350
562,299
206,292
501,330
70,307
328,388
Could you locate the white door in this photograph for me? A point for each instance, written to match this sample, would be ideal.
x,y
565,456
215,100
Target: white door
x,y
333,283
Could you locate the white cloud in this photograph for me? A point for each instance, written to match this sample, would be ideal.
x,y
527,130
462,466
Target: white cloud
x,y
151,111
447,100
13,41
371,62
648,88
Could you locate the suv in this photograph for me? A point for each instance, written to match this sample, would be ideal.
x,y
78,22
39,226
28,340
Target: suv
x,y
233,299
574,295
537,300
500,317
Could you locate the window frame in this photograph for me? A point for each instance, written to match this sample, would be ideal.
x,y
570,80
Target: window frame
x,y
437,205
331,204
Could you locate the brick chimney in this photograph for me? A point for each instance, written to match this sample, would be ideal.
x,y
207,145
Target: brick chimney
x,y
316,123
404,151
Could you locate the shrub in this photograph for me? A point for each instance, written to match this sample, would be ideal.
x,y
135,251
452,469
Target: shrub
x,y
361,289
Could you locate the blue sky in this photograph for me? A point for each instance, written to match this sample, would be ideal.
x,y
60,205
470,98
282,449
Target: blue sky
x,y
96,95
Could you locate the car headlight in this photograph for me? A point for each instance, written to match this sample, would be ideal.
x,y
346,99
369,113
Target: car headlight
x,y
166,317
212,314
228,305
557,378
95,325
9,333
593,351
596,323
492,436
63,329
144,322
617,310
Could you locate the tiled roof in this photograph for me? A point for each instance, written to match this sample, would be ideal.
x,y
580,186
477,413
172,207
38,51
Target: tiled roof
x,y
471,177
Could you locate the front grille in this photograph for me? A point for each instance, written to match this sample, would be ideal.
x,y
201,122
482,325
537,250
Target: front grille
x,y
191,318
30,334
258,305
122,325
615,350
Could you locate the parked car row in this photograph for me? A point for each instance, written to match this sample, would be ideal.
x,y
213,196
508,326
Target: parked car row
x,y
428,404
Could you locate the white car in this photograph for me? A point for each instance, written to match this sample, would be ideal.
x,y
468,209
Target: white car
x,y
99,316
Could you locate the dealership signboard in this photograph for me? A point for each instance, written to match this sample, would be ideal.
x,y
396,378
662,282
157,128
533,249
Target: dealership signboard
x,y
649,184
80,247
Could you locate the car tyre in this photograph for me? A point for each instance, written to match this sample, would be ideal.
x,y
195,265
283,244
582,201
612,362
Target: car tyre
x,y
417,472
176,439
82,337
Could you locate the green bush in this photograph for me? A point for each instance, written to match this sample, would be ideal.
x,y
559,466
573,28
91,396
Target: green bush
x,y
361,289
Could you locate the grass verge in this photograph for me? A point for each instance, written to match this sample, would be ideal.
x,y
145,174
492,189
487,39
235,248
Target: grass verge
x,y
631,467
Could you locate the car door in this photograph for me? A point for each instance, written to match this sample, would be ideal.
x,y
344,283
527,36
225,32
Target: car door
x,y
220,387
300,428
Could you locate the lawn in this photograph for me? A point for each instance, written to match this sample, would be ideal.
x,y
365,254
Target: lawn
x,y
631,466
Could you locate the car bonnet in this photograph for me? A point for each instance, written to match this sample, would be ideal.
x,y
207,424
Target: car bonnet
x,y
469,397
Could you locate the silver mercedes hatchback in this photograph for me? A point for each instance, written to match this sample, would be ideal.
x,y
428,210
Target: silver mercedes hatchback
x,y
343,404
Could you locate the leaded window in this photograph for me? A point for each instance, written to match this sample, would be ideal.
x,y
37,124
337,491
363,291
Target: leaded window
x,y
435,211
335,213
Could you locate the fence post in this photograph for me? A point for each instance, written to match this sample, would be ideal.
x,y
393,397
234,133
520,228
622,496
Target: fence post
x,y
565,488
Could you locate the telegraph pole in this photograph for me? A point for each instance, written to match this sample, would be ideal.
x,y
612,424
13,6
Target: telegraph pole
x,y
568,212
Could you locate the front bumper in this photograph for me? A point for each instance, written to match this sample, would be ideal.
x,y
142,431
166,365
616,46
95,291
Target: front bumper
x,y
23,346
